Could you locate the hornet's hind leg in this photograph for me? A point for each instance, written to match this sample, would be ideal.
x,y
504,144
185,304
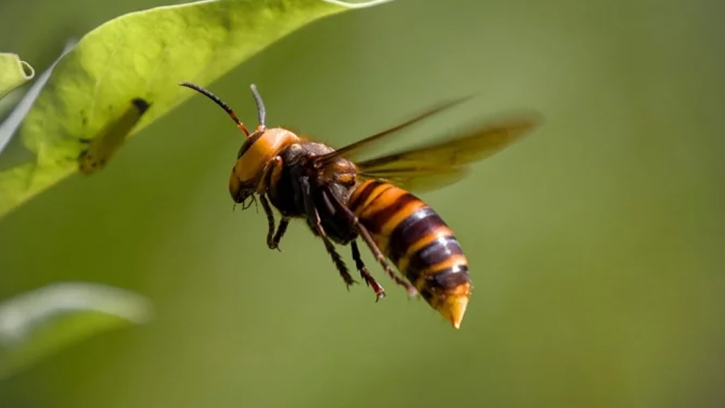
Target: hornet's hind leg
x,y
313,215
352,219
379,291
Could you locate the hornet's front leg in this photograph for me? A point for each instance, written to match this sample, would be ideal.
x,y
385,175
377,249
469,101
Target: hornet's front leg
x,y
272,174
270,223
281,229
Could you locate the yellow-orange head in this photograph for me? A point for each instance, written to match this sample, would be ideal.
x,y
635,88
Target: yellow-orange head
x,y
257,151
254,159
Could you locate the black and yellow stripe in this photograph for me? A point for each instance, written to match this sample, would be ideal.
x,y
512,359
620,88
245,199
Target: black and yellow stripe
x,y
418,242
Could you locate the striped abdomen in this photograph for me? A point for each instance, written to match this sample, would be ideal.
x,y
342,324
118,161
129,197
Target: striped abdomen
x,y
418,242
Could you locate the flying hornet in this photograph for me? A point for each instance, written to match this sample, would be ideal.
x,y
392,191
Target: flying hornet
x,y
344,199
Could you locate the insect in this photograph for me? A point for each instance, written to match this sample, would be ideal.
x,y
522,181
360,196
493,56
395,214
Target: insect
x,y
343,199
102,147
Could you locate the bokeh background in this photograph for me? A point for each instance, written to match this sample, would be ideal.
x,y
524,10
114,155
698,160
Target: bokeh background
x,y
596,244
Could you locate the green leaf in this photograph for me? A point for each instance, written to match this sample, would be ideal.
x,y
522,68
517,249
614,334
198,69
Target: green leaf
x,y
21,108
143,55
13,72
37,324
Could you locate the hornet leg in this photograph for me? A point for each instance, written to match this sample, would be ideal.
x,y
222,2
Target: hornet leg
x,y
313,215
281,229
270,222
379,291
272,172
412,291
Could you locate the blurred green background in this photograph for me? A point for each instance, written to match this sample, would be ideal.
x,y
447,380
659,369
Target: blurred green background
x,y
596,244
